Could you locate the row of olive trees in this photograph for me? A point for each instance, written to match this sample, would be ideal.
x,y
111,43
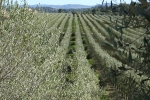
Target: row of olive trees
x,y
136,15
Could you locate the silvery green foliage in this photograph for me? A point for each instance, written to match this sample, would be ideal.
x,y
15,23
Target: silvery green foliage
x,y
27,51
141,63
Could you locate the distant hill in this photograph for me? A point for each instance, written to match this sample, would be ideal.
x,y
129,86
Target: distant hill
x,y
67,6
44,8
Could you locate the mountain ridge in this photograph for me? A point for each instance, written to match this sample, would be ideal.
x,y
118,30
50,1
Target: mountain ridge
x,y
66,6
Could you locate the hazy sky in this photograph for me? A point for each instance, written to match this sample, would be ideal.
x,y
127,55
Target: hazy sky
x,y
61,2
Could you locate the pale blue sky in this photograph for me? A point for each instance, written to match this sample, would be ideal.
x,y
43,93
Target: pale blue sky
x,y
61,2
